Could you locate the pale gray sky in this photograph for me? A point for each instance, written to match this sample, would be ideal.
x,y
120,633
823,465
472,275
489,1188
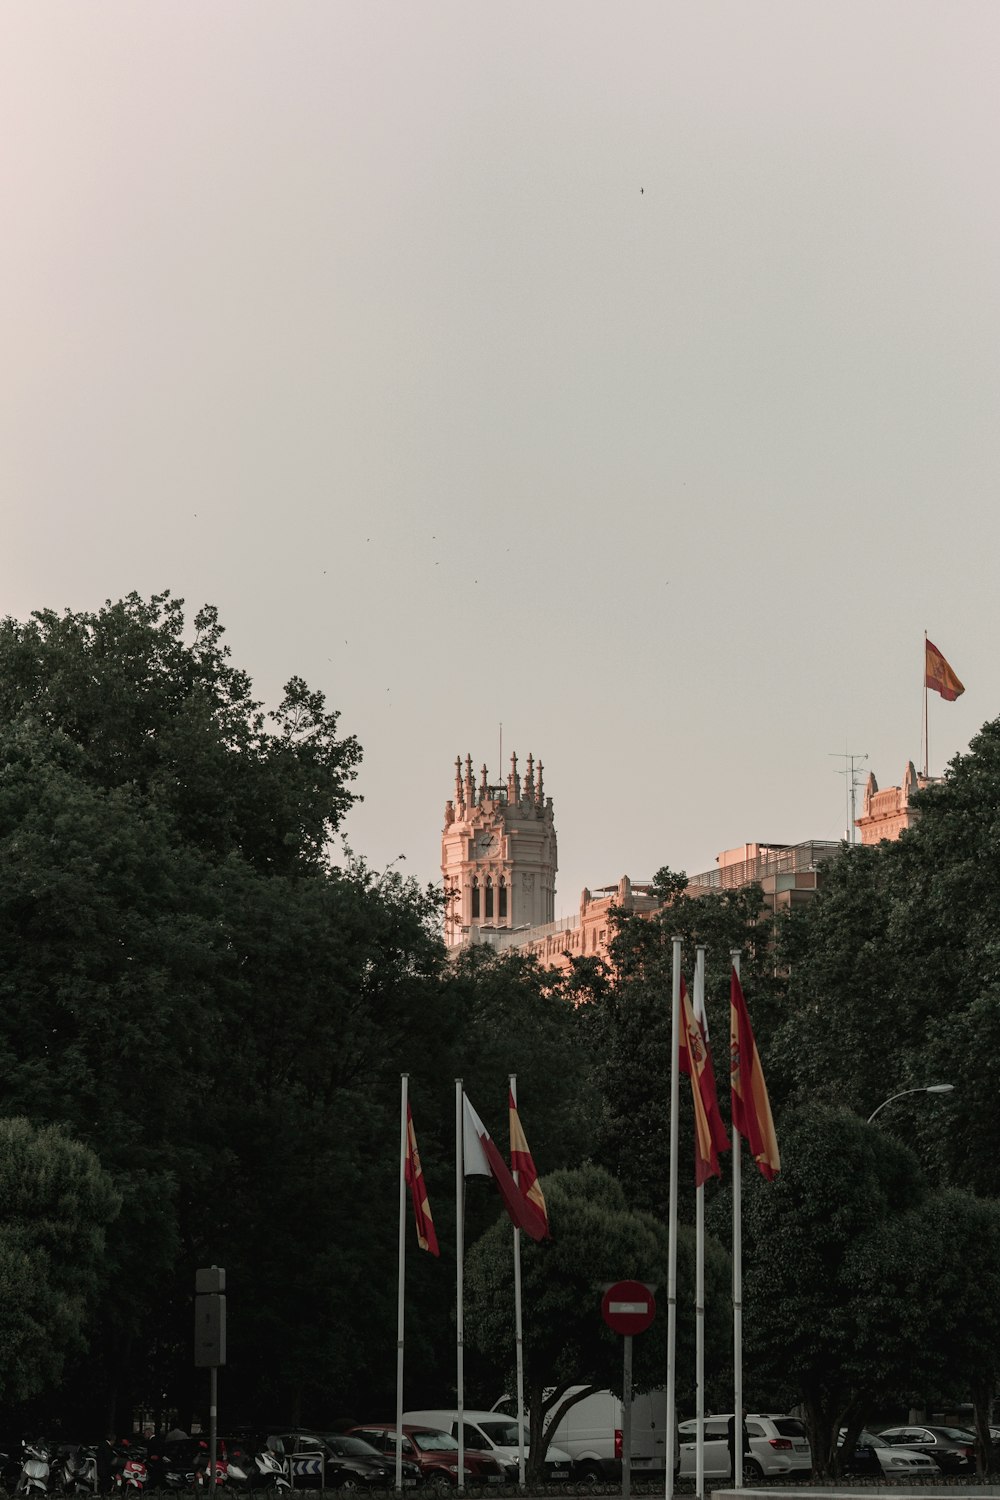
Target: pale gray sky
x,y
627,373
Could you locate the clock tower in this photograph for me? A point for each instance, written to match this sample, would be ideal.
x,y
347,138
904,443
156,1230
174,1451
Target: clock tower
x,y
498,852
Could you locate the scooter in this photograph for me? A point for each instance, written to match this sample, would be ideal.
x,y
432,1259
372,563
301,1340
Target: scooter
x,y
266,1472
35,1468
130,1474
75,1471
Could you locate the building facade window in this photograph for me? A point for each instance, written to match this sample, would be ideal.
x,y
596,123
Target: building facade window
x,y
489,897
503,897
475,898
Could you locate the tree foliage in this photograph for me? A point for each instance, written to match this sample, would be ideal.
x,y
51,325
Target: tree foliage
x,y
56,1202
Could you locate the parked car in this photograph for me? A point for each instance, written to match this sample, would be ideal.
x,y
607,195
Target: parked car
x,y
874,1457
433,1451
952,1448
778,1446
496,1433
338,1461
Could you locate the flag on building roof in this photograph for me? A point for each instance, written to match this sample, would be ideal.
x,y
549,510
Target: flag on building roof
x,y
482,1159
696,1060
939,675
522,1163
426,1237
750,1104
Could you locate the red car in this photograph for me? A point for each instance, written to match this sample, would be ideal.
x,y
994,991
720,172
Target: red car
x,y
433,1451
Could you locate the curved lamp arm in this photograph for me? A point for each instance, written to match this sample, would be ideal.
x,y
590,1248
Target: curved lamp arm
x,y
930,1088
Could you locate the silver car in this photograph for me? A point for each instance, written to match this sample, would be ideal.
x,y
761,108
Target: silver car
x,y
873,1455
778,1446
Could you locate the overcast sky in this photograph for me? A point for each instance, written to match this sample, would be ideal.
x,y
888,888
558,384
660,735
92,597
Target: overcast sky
x,y
623,373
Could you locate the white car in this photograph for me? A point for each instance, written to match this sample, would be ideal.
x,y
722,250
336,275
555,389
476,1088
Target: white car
x,y
778,1445
873,1455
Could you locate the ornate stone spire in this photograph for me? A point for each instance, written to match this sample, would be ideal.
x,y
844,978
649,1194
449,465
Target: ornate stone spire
x,y
529,780
469,789
513,782
541,791
458,780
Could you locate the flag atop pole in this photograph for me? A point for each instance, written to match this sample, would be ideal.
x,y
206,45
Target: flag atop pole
x,y
938,675
709,1131
426,1237
482,1159
523,1166
750,1104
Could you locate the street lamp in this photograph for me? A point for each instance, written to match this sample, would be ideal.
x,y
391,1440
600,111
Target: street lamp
x,y
931,1088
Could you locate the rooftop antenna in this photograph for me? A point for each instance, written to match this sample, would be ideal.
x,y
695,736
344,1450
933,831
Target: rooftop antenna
x,y
852,771
500,770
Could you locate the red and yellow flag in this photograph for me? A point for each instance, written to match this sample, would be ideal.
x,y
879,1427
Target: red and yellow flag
x,y
426,1238
750,1104
696,1060
522,1163
938,675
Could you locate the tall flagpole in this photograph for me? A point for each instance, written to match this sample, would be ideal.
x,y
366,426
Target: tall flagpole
x,y
699,1273
927,747
737,1284
403,1144
675,1009
460,1281
518,1327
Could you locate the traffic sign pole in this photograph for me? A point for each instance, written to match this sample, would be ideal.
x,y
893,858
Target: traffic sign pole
x,y
627,1420
628,1307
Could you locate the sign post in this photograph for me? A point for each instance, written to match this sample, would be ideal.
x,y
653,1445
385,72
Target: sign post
x,y
628,1307
210,1346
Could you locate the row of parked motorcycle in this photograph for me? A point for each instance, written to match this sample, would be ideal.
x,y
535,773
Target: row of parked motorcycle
x,y
129,1468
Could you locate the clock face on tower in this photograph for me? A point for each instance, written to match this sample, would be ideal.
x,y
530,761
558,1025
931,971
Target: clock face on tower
x,y
487,845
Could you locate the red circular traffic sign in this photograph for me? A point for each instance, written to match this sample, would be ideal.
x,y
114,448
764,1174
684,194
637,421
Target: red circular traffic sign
x,y
628,1307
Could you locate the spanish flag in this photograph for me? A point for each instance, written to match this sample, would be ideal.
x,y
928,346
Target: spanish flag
x,y
522,1163
938,675
695,1059
426,1238
750,1104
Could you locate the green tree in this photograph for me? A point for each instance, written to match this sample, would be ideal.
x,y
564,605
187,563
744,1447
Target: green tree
x,y
193,988
855,1284
597,1239
57,1204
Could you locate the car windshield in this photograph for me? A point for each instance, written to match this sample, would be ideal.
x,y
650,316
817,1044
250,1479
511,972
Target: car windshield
x,y
502,1432
435,1442
872,1440
356,1447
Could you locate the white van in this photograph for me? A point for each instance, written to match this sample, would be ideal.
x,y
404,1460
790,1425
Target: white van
x,y
591,1433
492,1432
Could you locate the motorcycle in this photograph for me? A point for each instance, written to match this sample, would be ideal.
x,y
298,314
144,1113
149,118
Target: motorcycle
x,y
35,1467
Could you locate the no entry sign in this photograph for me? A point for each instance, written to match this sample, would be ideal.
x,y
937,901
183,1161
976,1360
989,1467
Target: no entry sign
x,y
628,1307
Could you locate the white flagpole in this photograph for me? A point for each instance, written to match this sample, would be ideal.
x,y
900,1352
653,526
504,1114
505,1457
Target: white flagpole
x,y
699,1273
518,1326
459,1280
675,1007
403,1144
737,1280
